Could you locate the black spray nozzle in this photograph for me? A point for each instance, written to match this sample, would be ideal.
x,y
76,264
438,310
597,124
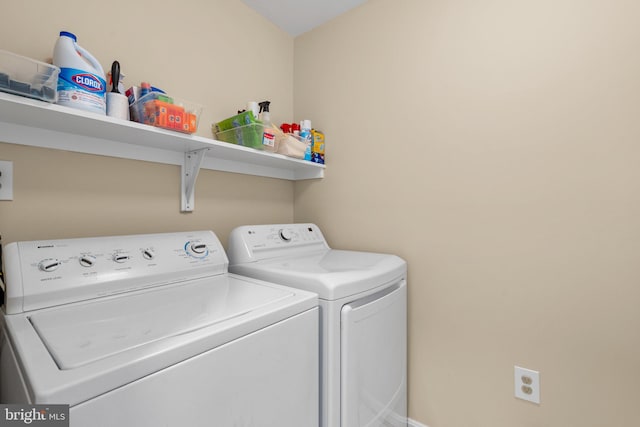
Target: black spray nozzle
x,y
264,106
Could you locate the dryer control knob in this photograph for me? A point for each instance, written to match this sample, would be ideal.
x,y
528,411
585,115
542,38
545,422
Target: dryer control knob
x,y
49,264
286,235
148,254
87,260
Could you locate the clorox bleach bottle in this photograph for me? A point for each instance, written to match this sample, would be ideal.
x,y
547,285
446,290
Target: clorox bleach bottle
x,y
81,82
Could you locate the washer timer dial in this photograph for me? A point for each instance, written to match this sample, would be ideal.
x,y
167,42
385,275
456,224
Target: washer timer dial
x,y
285,235
197,249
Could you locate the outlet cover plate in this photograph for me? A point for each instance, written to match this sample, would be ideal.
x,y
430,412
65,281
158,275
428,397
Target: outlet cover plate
x,y
6,180
527,384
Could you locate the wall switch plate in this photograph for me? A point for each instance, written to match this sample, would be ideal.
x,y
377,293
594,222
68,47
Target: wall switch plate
x,y
6,180
527,384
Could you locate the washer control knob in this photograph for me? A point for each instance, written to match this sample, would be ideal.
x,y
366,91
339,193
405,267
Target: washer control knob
x,y
87,260
286,235
120,258
148,254
49,264
198,248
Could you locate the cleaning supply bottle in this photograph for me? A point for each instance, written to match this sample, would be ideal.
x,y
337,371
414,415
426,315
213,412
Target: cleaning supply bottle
x,y
264,114
145,89
269,133
81,82
317,146
253,107
305,134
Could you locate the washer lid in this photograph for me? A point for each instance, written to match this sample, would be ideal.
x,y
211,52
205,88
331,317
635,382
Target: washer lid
x,y
140,333
332,274
81,334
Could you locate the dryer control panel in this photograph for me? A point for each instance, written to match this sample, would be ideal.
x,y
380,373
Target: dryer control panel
x,y
46,273
255,242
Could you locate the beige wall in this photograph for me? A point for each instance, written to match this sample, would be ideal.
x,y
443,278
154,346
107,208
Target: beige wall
x,y
210,52
494,145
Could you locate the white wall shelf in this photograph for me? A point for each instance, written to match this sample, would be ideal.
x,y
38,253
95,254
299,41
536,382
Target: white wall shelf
x,y
27,121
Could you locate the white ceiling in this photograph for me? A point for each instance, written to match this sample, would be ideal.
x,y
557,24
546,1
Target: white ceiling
x,y
299,16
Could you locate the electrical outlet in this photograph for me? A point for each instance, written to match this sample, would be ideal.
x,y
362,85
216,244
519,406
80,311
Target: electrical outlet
x,y
527,384
6,180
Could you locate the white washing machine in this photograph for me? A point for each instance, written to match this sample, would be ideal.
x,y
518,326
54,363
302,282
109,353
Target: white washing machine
x,y
152,330
363,317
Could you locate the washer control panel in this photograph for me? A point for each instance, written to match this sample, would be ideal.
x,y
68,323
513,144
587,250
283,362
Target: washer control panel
x,y
46,273
253,242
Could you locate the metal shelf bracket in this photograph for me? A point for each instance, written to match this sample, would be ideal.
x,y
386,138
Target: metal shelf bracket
x,y
190,169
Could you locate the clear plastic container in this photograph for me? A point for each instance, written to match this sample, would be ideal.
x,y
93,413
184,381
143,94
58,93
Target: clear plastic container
x,y
253,135
292,145
24,76
160,110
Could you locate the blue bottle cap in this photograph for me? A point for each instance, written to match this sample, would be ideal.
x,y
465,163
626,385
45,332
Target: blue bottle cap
x,y
68,34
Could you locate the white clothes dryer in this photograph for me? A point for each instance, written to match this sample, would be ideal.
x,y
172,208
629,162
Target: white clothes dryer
x,y
363,317
152,330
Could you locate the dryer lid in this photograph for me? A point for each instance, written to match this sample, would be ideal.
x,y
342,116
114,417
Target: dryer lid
x,y
332,274
80,334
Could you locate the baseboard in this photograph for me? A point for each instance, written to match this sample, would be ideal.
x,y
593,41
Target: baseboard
x,y
413,423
